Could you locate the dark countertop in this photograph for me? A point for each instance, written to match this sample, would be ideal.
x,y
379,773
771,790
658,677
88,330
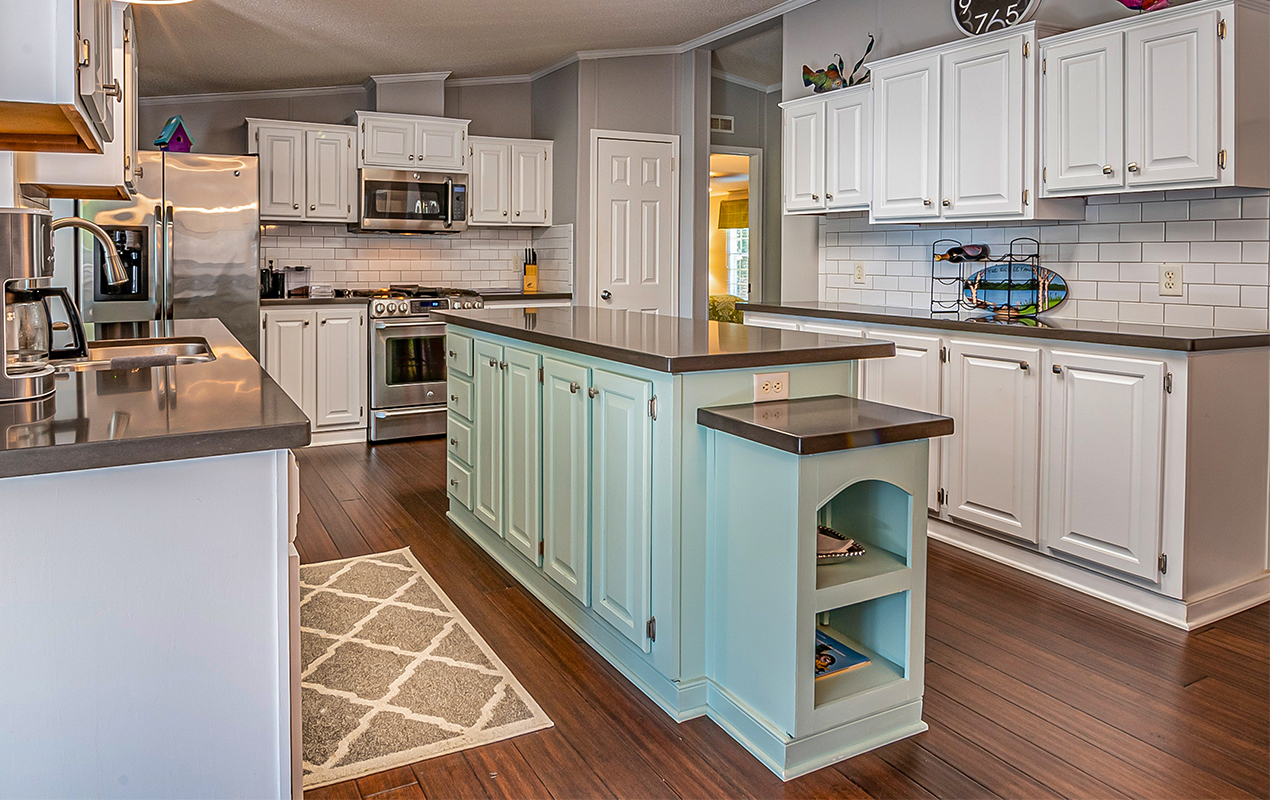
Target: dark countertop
x,y
267,302
663,343
111,418
494,295
1126,334
827,424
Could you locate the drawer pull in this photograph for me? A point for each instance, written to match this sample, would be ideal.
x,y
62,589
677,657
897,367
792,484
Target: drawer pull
x,y
573,387
927,202
454,483
1023,365
1058,370
593,392
454,442
493,362
1133,166
453,354
454,398
1107,170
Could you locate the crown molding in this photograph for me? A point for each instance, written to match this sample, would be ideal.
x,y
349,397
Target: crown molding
x,y
746,82
491,80
410,77
630,52
263,94
740,25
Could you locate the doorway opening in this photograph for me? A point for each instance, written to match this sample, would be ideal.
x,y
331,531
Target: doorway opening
x,y
736,229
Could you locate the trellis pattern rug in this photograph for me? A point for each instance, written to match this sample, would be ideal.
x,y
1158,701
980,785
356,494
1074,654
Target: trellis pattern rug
x,y
392,673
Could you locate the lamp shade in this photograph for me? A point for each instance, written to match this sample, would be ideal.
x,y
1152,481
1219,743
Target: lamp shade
x,y
734,213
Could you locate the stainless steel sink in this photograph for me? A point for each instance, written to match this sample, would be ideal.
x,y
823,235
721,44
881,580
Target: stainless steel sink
x,y
141,353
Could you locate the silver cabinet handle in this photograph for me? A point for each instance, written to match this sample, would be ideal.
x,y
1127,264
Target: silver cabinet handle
x,y
493,362
502,365
1023,365
927,202
412,158
324,322
454,442
1133,166
828,195
454,398
295,205
815,197
306,323
1107,170
313,208
592,392
454,482
573,387
1058,370
112,90
518,213
947,203
453,354
504,213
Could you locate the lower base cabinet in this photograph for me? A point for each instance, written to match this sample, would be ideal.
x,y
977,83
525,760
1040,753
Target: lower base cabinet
x,y
318,356
566,475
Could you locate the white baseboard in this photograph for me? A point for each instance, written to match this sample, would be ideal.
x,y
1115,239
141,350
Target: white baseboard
x,y
345,436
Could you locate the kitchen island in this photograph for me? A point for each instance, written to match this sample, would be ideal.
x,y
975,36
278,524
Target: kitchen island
x,y
576,459
146,581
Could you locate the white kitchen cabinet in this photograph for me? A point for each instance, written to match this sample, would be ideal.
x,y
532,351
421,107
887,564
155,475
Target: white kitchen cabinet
x,y
827,151
804,146
910,380
1193,83
511,181
906,103
318,355
994,396
307,171
407,141
1106,459
112,173
97,84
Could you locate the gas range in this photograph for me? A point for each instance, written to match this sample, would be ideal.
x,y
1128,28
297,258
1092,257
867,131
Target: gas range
x,y
399,301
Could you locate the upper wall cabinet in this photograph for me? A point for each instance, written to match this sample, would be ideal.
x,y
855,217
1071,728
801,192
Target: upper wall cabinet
x,y
57,77
1172,99
827,151
955,130
405,141
112,173
307,172
510,181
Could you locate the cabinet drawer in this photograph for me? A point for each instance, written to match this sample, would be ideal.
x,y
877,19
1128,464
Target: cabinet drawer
x,y
459,482
459,396
458,350
459,440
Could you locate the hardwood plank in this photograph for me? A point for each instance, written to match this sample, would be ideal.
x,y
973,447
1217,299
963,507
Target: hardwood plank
x,y
411,792
348,540
336,791
386,781
449,777
505,774
559,766
879,779
322,460
930,771
377,533
998,776
310,531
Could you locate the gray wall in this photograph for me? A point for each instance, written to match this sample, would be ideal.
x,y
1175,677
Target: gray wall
x,y
494,109
424,96
747,105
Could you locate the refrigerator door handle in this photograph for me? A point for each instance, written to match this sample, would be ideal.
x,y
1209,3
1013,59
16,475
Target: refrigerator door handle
x,y
160,264
169,307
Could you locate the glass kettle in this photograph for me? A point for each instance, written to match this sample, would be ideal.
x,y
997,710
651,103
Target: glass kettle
x,y
29,329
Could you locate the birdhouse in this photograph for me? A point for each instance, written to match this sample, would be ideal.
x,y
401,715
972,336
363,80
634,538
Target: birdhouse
x,y
174,139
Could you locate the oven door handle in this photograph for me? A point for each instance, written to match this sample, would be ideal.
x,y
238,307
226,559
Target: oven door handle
x,y
413,412
379,326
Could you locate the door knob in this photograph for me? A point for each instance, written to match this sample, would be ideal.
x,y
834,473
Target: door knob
x,y
606,295
1133,166
1107,170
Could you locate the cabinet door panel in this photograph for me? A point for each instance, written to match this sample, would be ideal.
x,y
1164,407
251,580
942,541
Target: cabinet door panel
x,y
906,140
994,454
909,380
328,189
804,143
290,355
522,452
566,470
1171,96
982,134
621,504
441,145
531,184
341,367
1084,114
98,70
388,142
490,193
487,422
281,172
848,153
1107,459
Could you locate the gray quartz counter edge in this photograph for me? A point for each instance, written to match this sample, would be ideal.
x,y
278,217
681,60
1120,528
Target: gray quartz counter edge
x,y
1169,337
520,297
274,302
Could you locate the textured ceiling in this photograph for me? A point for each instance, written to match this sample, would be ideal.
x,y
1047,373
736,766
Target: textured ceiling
x,y
757,58
245,45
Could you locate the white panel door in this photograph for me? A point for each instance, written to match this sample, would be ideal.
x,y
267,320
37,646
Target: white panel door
x,y
804,145
636,233
329,175
1171,100
490,192
982,133
341,367
1084,114
531,184
441,144
281,172
909,380
388,142
848,150
1107,460
290,353
994,454
622,504
566,475
906,139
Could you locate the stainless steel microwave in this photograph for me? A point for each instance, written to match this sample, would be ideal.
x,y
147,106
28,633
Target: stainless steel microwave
x,y
405,201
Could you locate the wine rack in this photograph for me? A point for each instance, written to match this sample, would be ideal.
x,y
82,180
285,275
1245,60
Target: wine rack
x,y
1023,250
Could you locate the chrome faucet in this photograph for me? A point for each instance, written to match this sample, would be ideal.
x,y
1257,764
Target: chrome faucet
x,y
115,272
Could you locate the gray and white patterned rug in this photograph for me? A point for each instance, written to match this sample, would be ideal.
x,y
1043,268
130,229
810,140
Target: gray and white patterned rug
x,y
392,673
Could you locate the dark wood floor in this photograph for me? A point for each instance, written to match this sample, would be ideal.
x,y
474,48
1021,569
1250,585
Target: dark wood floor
x,y
1032,690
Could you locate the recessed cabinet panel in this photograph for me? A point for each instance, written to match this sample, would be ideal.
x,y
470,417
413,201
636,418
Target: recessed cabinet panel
x,y
909,380
329,175
96,66
341,360
566,474
906,107
994,454
522,409
848,143
282,171
487,416
531,184
291,354
441,144
1171,100
490,188
804,157
982,133
1107,473
1084,115
388,143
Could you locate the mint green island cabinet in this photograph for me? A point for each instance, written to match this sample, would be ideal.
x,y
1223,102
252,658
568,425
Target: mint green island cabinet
x,y
576,459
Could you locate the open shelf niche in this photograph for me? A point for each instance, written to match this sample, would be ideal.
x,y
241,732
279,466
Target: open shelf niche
x,y
879,516
877,628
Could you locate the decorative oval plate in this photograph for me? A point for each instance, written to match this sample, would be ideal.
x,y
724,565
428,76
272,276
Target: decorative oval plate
x,y
1015,289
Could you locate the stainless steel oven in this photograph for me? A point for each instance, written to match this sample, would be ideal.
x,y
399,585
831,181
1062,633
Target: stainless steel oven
x,y
407,368
404,201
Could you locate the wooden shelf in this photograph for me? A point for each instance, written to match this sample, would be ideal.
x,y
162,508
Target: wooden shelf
x,y
847,685
876,573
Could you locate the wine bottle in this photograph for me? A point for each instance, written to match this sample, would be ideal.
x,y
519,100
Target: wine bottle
x,y
970,252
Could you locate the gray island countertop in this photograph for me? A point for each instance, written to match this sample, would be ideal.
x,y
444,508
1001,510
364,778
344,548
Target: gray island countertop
x,y
107,418
1126,334
664,343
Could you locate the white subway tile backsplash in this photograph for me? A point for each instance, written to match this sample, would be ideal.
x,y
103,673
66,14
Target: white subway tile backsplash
x,y
1166,211
1200,316
1256,318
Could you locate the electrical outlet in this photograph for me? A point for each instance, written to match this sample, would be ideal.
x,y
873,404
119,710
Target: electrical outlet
x,y
1170,280
859,272
771,386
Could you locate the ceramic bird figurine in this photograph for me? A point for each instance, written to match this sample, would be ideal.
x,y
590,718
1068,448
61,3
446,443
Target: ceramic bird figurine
x,y
1144,5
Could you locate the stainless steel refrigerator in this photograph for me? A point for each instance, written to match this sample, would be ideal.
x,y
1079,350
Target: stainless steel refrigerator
x,y
190,240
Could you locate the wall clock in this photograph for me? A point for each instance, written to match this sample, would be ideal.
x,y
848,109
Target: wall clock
x,y
974,17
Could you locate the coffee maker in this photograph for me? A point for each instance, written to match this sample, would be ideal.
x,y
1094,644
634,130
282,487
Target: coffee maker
x,y
26,276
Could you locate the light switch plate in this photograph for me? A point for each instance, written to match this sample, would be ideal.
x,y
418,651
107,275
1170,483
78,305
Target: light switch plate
x,y
1171,280
771,386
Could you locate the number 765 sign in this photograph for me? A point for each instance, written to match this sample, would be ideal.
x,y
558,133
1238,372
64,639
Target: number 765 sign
x,y
974,17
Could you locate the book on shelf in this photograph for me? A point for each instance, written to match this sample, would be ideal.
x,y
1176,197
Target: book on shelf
x,y
832,656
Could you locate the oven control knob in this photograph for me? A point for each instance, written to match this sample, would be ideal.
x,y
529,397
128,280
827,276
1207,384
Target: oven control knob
x,y
379,308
